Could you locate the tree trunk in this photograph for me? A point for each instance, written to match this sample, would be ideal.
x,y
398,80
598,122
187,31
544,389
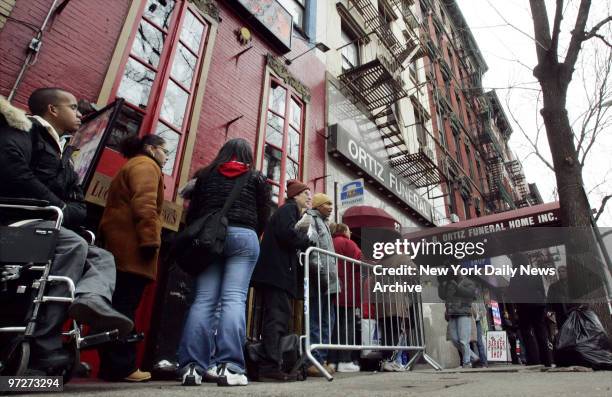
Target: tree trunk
x,y
584,264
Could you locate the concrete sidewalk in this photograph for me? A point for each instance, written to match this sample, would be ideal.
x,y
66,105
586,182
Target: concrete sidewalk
x,y
497,381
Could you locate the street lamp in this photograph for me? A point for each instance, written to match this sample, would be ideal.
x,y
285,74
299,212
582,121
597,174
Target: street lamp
x,y
320,46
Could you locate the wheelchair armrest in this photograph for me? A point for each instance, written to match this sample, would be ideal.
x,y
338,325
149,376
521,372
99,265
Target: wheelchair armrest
x,y
24,201
87,234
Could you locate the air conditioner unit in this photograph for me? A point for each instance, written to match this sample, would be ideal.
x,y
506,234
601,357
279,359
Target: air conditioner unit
x,y
454,218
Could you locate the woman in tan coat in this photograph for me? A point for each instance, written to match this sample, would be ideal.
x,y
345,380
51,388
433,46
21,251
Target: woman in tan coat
x,y
131,230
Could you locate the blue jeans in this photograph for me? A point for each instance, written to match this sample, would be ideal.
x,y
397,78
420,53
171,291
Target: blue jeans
x,y
216,323
482,353
460,330
320,334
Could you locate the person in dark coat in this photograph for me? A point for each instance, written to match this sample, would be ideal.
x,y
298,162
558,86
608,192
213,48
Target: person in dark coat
x,y
558,297
527,293
34,165
276,275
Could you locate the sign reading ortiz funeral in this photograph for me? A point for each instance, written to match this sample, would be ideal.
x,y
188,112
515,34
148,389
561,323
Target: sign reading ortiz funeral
x,y
345,144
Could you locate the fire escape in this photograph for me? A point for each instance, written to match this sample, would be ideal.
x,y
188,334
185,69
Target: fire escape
x,y
377,85
515,169
494,163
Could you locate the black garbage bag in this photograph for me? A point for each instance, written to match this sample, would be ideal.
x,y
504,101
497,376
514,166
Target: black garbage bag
x,y
583,341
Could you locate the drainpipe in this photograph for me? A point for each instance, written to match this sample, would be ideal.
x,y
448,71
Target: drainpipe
x,y
34,47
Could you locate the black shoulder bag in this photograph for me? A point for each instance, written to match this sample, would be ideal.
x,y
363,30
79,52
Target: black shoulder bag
x,y
202,240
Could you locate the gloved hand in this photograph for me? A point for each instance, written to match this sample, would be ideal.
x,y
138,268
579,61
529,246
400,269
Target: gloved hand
x,y
74,214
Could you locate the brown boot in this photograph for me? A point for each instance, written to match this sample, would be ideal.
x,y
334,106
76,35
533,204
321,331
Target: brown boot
x,y
138,376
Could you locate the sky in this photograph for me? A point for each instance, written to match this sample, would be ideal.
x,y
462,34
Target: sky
x,y
503,30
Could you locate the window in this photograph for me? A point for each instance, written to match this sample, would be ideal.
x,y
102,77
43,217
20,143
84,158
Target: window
x,y
159,75
419,123
466,206
440,122
480,175
297,10
457,138
414,75
350,51
452,202
282,153
469,160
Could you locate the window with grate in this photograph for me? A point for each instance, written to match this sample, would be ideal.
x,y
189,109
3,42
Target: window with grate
x,y
282,152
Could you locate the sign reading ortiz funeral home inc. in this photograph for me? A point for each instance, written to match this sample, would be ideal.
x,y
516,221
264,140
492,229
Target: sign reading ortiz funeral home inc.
x,y
342,142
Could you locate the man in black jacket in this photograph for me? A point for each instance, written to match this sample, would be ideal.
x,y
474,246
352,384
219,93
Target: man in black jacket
x,y
527,293
276,275
33,167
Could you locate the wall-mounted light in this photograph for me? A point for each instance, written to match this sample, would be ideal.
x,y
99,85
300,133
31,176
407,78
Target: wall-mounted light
x,y
320,46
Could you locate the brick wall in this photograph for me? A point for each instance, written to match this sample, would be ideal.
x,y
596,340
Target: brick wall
x,y
235,88
77,46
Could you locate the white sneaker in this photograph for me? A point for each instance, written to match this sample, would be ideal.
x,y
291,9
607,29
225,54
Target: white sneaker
x,y
212,374
229,378
392,366
348,367
191,376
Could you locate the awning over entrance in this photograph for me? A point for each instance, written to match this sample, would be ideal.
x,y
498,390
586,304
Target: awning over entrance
x,y
366,216
523,229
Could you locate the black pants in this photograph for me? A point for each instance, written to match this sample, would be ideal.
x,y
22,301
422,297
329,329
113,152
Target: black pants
x,y
533,317
345,324
276,317
118,360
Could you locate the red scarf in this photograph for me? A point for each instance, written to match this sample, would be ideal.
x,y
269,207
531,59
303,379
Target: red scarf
x,y
233,169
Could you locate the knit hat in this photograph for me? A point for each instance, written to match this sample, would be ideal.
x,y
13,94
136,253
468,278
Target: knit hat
x,y
295,187
319,199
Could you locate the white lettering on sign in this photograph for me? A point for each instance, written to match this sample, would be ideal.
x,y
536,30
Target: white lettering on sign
x,y
349,147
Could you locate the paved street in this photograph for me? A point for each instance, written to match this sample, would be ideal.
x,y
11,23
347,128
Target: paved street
x,y
505,381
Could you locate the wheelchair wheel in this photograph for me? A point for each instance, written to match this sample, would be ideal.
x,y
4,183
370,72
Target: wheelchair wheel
x,y
18,359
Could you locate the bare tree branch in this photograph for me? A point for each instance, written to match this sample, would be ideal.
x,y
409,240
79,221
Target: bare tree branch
x,y
603,39
554,44
533,144
602,207
577,36
541,29
593,31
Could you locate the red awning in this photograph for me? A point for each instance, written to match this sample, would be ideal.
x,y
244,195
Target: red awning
x,y
506,232
366,216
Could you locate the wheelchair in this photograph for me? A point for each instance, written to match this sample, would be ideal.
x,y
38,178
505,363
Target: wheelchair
x,y
26,257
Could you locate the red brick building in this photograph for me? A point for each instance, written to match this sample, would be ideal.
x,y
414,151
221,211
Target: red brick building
x,y
197,72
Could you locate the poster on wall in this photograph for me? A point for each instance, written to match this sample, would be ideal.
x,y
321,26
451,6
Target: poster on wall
x,y
273,19
497,346
86,145
495,313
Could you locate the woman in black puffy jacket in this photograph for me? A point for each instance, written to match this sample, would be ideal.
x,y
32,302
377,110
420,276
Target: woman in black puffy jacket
x,y
216,321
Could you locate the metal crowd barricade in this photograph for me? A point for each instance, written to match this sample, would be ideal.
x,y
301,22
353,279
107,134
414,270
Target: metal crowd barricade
x,y
398,315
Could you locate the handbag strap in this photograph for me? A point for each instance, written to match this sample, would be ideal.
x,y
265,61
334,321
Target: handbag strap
x,y
240,182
